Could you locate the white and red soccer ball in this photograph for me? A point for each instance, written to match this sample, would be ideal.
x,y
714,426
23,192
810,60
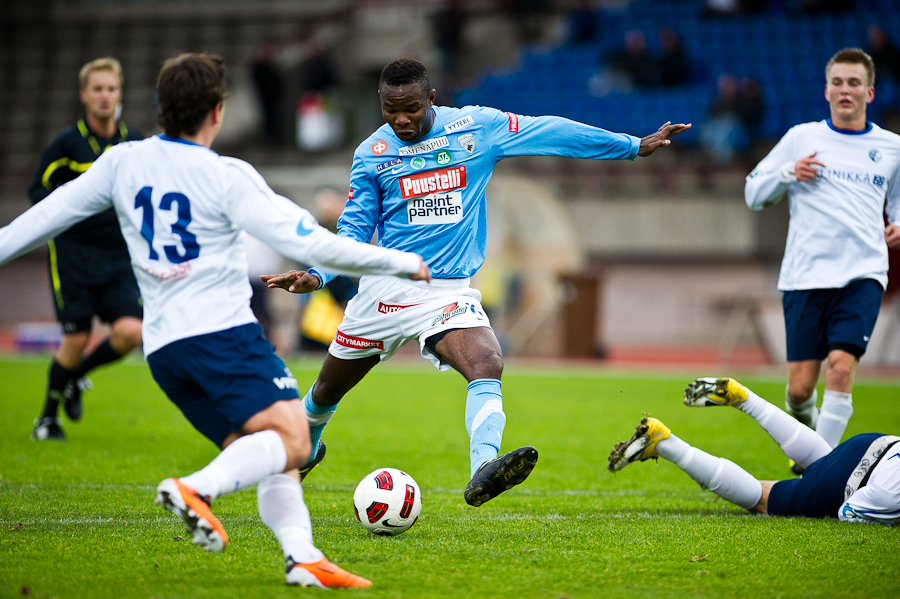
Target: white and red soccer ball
x,y
387,502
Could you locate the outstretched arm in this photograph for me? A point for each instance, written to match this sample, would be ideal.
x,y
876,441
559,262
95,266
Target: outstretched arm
x,y
650,143
302,281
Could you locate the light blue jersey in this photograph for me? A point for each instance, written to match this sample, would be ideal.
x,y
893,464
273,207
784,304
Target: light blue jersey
x,y
428,197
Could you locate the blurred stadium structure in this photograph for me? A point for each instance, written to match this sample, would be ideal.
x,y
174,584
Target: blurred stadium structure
x,y
657,260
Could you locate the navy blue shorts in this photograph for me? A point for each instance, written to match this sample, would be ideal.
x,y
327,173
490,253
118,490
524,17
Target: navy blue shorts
x,y
220,380
819,493
820,320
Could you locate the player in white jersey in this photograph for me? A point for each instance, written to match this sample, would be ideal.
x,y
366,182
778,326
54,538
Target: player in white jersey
x,y
420,180
183,210
839,176
857,481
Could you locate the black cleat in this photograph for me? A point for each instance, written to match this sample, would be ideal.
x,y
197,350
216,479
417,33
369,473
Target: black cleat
x,y
72,397
795,467
47,429
500,474
320,455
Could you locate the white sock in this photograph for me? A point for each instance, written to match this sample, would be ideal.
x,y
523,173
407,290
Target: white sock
x,y
282,509
245,462
723,477
798,442
836,410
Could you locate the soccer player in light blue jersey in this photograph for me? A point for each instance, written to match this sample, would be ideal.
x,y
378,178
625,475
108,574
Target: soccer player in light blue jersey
x,y
839,175
419,181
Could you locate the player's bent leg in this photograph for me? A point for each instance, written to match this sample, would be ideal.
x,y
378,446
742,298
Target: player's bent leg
x,y
320,403
125,334
653,439
288,419
799,442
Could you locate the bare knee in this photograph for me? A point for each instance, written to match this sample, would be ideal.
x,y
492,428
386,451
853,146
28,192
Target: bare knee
x,y
800,391
840,373
488,365
125,334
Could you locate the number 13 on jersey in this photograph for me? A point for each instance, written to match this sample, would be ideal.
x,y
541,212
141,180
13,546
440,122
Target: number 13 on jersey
x,y
143,201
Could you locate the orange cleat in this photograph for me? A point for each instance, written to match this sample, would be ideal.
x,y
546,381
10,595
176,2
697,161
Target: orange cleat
x,y
188,505
322,574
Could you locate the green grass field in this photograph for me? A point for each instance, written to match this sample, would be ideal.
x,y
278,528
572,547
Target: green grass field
x,y
77,519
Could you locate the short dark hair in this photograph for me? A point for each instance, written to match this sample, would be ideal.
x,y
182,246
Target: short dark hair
x,y
189,87
853,56
404,71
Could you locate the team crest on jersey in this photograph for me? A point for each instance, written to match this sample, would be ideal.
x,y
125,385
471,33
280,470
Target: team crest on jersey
x,y
459,124
449,312
384,166
875,154
417,163
379,147
423,147
467,142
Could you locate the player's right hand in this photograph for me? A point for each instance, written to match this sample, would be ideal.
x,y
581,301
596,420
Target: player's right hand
x,y
424,274
295,281
803,168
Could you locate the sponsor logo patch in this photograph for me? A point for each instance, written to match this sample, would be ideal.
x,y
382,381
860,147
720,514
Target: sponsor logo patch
x,y
513,122
379,147
467,142
875,154
357,342
442,158
350,195
441,180
459,124
417,163
449,312
433,197
384,308
423,147
384,166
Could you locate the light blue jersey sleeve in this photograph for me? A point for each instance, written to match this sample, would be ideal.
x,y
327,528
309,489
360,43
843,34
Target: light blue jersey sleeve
x,y
517,135
360,215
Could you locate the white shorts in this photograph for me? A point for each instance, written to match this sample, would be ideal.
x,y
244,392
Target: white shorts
x,y
389,311
879,500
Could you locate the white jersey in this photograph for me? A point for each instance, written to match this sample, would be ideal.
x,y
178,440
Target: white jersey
x,y
183,210
836,231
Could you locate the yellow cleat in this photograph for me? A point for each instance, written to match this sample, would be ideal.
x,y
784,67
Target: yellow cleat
x,y
711,391
641,446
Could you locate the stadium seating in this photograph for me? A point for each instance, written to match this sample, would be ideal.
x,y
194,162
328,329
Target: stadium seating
x,y
785,53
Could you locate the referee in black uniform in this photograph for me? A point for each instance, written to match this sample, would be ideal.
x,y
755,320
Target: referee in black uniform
x,y
90,271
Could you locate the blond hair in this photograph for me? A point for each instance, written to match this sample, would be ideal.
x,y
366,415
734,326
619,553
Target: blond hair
x,y
853,56
107,63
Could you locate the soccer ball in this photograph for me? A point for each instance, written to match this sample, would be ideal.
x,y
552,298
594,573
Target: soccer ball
x,y
387,502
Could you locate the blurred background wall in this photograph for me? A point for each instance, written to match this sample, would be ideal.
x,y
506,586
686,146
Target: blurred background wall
x,y
657,260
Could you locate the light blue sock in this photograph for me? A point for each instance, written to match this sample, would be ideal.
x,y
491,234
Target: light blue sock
x,y
318,417
484,420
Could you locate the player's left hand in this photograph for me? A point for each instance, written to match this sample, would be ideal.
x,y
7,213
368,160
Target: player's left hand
x,y
650,143
892,236
295,281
